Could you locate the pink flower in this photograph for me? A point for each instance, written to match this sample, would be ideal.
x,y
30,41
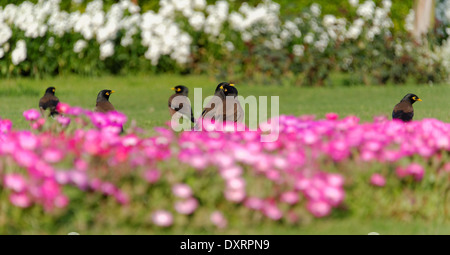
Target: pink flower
x,y
289,197
187,206
235,195
218,219
416,170
38,124
121,197
28,141
401,172
254,203
5,126
331,116
53,155
152,175
64,121
182,190
378,180
15,182
272,212
21,200
31,114
235,183
50,189
61,201
334,196
62,107
162,218
318,208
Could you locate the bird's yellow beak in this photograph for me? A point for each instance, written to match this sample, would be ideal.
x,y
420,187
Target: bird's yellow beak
x,y
418,99
172,88
231,84
112,91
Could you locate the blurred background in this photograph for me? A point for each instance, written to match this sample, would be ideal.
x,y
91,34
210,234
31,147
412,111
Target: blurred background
x,y
302,43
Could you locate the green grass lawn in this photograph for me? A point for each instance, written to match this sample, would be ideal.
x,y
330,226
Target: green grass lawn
x,y
144,99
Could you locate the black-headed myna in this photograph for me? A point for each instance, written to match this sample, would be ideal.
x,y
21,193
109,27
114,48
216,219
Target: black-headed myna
x,y
404,110
232,112
103,104
49,101
219,95
181,103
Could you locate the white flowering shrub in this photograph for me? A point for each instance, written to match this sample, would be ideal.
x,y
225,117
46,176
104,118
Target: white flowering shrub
x,y
225,38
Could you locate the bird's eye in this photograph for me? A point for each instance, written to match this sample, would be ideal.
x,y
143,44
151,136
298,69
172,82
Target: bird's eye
x,y
226,90
414,98
178,89
107,93
221,87
231,84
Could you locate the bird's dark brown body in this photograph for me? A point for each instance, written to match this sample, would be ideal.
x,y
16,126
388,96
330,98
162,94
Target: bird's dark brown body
x,y
103,104
49,101
404,110
218,109
179,103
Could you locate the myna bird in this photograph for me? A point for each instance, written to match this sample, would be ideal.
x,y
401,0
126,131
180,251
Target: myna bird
x,y
219,95
404,110
103,104
181,103
233,112
49,101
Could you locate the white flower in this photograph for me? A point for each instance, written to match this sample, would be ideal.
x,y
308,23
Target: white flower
x,y
5,33
229,46
353,3
315,9
19,54
197,20
2,52
106,50
366,10
309,38
79,46
387,4
298,50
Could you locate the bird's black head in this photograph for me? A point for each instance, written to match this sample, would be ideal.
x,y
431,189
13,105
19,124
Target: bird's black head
x,y
230,90
180,89
50,90
222,85
412,98
104,95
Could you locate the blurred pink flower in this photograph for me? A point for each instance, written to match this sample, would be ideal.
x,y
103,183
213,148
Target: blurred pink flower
x,y
377,180
38,124
218,219
62,108
152,175
5,126
162,218
21,200
235,195
64,121
31,114
187,206
61,201
331,116
182,190
334,196
53,155
235,183
416,170
272,212
289,197
15,182
254,203
318,208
